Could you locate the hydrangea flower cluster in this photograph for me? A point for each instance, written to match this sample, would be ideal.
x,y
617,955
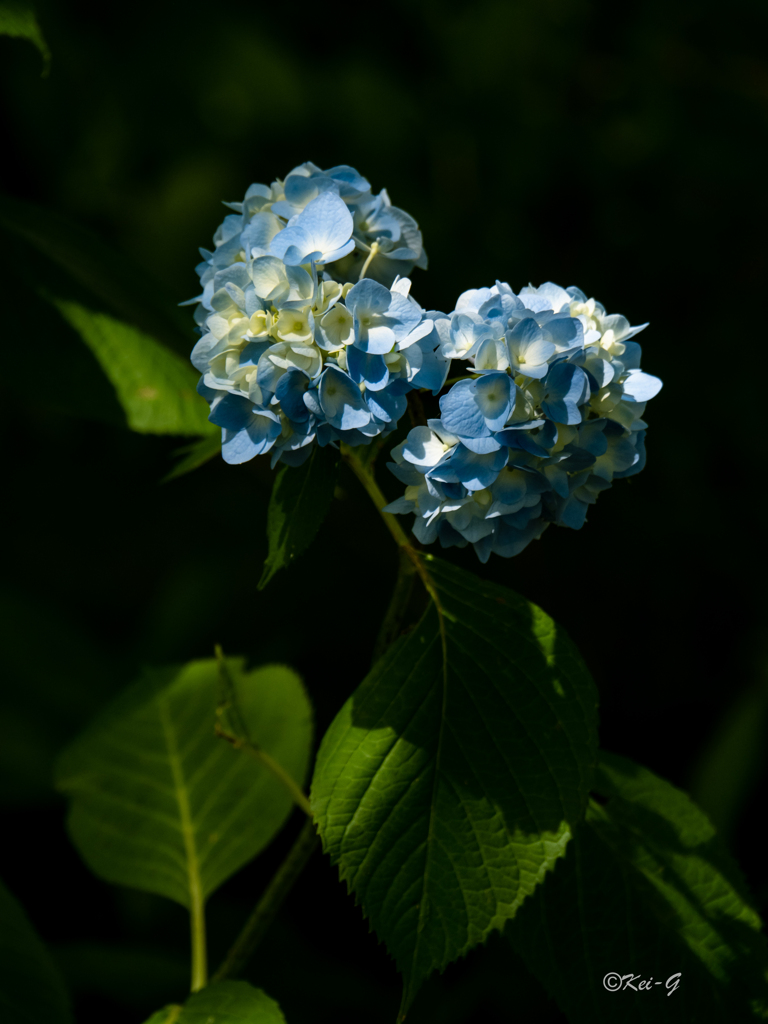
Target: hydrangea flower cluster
x,y
547,417
308,331
309,334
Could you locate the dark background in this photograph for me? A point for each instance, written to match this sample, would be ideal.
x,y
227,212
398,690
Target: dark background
x,y
619,147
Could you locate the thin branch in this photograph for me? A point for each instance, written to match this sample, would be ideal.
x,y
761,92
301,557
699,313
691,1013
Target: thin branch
x,y
235,732
366,478
271,900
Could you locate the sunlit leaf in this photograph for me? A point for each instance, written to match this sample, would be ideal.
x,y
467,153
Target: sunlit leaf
x,y
17,18
155,387
227,1002
160,803
301,497
31,990
646,890
446,788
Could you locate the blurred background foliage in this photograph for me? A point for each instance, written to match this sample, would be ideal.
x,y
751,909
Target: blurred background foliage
x,y
621,148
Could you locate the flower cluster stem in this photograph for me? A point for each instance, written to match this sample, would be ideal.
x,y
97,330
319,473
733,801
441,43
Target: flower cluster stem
x,y
364,474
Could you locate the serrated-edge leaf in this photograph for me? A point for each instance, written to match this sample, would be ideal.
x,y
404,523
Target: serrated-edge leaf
x,y
301,497
155,386
645,889
402,781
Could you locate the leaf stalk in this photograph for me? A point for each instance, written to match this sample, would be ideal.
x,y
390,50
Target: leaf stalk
x,y
269,904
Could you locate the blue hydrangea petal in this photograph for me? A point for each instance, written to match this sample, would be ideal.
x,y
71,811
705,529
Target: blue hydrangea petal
x,y
290,394
636,467
450,537
640,386
386,406
255,438
368,296
259,233
476,472
340,399
495,395
523,441
434,368
232,413
460,412
425,533
566,386
423,448
481,445
573,513
321,232
405,473
364,366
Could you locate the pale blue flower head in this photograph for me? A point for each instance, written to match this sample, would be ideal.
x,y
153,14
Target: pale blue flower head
x,y
549,414
291,354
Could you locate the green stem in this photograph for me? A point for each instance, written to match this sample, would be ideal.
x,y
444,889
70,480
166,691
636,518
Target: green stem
x,y
398,605
238,736
239,743
365,475
366,478
271,900
196,894
199,952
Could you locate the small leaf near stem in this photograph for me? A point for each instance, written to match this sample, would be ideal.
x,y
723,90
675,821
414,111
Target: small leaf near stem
x,y
235,732
269,904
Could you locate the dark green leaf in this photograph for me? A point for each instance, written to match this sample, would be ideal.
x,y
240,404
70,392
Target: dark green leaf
x,y
17,18
70,262
300,500
195,455
160,803
227,1002
31,990
645,889
446,790
155,387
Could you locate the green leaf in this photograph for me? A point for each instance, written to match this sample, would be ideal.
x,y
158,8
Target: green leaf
x,y
227,1002
446,789
645,889
31,990
133,332
195,455
301,497
155,387
17,18
160,803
